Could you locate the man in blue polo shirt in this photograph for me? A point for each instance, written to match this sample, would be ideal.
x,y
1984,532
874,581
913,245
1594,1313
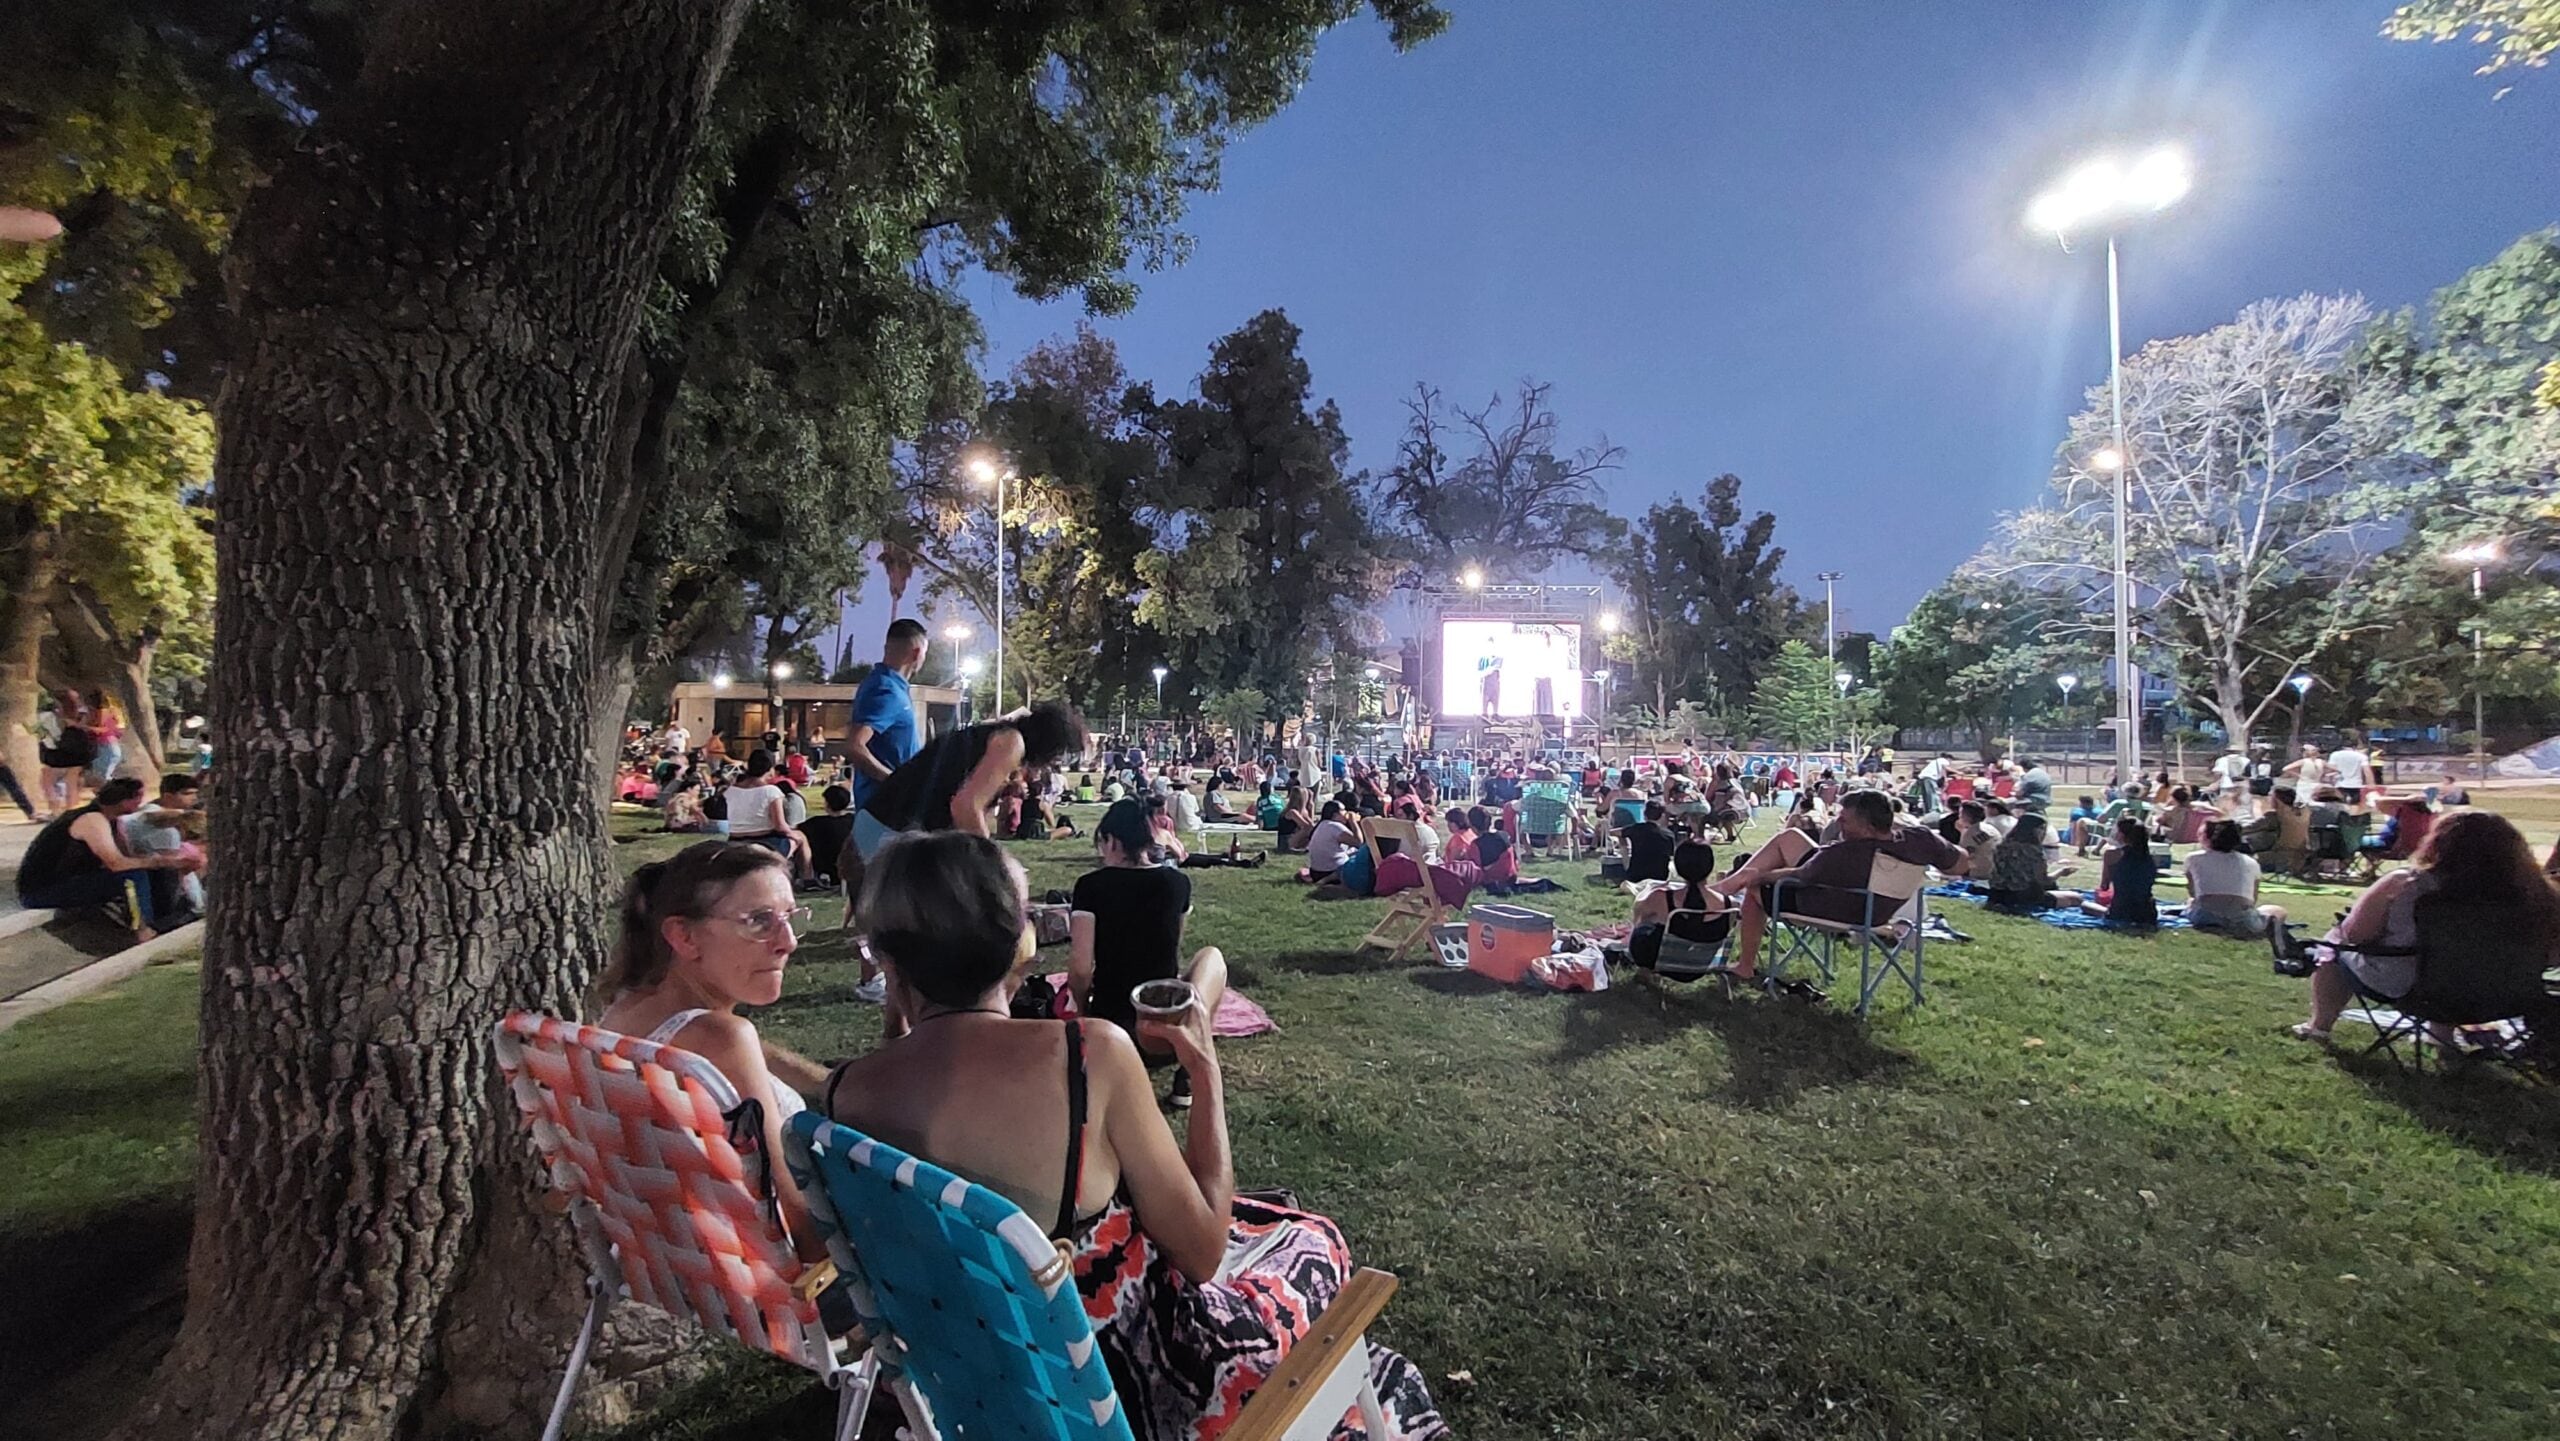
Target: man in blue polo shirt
x,y
885,736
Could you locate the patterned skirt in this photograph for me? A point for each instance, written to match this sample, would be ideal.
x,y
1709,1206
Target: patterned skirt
x,y
1186,1358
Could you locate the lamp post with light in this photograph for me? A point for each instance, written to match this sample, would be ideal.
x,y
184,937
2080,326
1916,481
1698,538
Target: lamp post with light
x,y
2301,688
2109,193
970,670
1160,674
958,634
987,471
2066,682
1607,676
2479,555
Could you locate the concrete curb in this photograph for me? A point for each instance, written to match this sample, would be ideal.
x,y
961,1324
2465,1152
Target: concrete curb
x,y
100,974
17,921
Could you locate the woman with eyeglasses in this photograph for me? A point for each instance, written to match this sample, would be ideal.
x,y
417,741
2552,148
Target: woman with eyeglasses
x,y
704,932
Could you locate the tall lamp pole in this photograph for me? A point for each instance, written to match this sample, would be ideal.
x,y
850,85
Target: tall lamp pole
x,y
2066,682
2479,555
989,472
2107,194
1831,639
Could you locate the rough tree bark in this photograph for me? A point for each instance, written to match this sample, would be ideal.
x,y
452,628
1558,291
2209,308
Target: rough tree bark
x,y
27,600
438,295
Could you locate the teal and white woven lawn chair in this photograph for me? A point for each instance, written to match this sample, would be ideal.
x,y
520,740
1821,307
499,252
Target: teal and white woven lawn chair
x,y
1893,910
1547,818
977,1325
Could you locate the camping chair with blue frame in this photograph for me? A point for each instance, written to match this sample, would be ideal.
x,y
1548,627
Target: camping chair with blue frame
x,y
973,1311
1895,891
2475,967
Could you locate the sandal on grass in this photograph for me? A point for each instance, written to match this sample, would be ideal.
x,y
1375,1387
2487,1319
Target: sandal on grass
x,y
2305,1031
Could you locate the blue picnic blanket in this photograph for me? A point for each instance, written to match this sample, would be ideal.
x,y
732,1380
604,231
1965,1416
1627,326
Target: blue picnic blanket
x,y
2073,919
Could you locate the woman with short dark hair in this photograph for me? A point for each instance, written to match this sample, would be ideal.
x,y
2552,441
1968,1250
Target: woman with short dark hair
x,y
1062,1120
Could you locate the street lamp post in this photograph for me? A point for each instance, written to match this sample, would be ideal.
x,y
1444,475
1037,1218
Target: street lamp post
x,y
2109,193
1843,680
958,634
2066,682
2301,688
1831,637
1609,624
970,670
989,472
1161,673
2479,555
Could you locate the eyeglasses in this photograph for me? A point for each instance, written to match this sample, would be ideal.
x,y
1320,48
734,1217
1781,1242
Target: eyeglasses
x,y
760,923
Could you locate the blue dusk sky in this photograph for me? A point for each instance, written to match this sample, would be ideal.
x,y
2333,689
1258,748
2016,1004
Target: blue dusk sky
x,y
1785,239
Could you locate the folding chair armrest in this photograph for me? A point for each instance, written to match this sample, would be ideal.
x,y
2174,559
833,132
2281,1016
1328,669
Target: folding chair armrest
x,y
1301,1375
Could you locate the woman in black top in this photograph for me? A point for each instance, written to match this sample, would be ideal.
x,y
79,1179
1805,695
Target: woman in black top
x,y
1649,845
954,781
1126,930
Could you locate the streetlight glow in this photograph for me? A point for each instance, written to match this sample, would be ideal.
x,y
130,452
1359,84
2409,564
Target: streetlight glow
x,y
1609,622
2109,190
2480,552
983,469
2066,682
782,670
972,667
957,630
1472,577
720,681
2301,685
2106,458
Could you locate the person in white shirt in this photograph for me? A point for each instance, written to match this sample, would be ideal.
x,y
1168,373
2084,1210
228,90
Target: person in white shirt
x,y
2308,773
1332,840
2353,767
675,740
2222,887
2230,777
1183,807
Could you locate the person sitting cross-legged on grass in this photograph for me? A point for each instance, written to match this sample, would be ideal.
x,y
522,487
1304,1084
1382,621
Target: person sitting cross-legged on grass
x,y
1126,929
704,932
2127,873
2473,858
2222,887
2019,875
1060,1119
1827,877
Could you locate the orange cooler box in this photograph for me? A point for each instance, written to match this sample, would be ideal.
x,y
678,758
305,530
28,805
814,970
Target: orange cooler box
x,y
1503,940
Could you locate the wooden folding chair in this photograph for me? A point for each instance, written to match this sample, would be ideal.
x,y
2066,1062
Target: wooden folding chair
x,y
1410,914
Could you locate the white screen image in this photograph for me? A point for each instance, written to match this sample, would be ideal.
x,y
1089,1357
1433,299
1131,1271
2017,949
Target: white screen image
x,y
1499,668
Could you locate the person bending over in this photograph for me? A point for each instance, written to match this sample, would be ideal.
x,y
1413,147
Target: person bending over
x,y
1828,877
75,862
1126,930
1060,1118
704,932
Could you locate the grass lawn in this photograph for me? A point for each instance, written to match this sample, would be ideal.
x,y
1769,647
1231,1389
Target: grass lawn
x,y
2087,1190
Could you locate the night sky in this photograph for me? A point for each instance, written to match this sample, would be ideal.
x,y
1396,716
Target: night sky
x,y
1784,240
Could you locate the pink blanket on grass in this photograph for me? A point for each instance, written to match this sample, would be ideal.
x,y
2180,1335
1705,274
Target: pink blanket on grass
x,y
1237,1015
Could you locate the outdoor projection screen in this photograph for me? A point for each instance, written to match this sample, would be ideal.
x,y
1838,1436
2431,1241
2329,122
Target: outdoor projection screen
x,y
1508,668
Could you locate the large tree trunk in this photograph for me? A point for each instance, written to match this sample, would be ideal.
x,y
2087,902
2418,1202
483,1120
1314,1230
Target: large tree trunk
x,y
438,297
27,611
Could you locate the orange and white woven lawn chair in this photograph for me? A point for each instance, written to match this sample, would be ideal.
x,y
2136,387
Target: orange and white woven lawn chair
x,y
670,1210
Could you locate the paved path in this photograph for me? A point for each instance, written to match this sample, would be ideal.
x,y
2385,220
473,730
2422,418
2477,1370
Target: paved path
x,y
15,833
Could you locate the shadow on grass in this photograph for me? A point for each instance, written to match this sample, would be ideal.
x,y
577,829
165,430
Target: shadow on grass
x,y
1777,1048
90,1309
1322,963
2476,1104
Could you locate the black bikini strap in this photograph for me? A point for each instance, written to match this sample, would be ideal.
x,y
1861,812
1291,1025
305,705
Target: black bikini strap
x,y
1075,1130
827,1097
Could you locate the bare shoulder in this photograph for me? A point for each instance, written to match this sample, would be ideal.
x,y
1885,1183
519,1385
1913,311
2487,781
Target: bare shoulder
x,y
718,1034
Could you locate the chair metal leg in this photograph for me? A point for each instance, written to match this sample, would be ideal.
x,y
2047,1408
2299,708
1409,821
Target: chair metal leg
x,y
599,1300
853,1385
